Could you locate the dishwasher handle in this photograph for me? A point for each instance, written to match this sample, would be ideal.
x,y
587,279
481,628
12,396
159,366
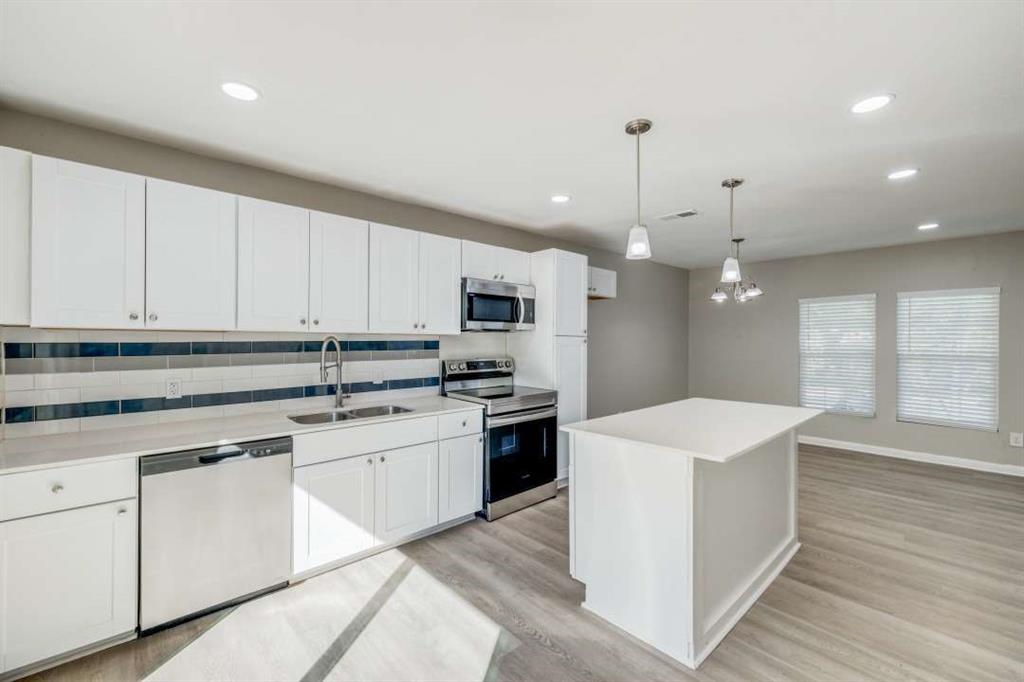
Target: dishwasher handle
x,y
212,456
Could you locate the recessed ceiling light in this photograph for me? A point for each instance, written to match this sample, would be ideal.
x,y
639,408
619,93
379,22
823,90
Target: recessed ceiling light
x,y
871,104
928,226
903,174
241,91
560,198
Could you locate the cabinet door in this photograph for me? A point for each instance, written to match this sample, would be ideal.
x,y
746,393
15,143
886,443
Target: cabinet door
x,y
570,294
190,257
571,383
460,477
406,491
601,283
15,231
88,246
273,266
440,285
67,580
338,273
394,279
514,266
479,261
333,511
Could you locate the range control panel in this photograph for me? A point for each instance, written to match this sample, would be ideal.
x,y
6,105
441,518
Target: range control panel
x,y
478,366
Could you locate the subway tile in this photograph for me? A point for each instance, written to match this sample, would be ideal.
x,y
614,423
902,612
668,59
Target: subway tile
x,y
58,411
388,355
432,381
250,408
220,347
211,412
152,404
366,387
159,348
119,336
21,366
123,391
46,428
207,386
367,345
277,393
36,335
116,421
355,356
405,345
404,383
90,349
226,372
191,336
36,397
150,376
423,354
48,365
19,415
257,359
230,398
21,382
130,363
197,361
277,346
432,345
321,389
17,350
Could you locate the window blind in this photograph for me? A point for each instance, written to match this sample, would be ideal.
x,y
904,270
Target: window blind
x,y
837,354
948,352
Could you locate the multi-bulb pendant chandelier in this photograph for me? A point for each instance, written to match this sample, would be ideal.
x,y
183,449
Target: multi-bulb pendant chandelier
x,y
741,291
639,245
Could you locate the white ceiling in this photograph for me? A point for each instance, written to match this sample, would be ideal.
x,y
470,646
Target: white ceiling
x,y
487,109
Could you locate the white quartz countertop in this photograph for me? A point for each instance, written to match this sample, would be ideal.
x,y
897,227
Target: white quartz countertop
x,y
716,430
42,452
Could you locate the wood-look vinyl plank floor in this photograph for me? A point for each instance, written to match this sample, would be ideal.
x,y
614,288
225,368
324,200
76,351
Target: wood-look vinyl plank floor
x,y
908,571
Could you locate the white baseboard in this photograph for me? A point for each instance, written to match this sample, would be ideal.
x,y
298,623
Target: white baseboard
x,y
930,458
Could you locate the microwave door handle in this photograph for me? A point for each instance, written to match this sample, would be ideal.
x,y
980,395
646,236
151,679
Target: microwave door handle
x,y
520,309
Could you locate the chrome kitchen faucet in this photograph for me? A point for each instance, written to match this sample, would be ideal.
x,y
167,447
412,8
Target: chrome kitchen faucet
x,y
339,396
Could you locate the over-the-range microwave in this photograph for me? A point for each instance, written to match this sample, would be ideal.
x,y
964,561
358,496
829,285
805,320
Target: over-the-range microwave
x,y
489,306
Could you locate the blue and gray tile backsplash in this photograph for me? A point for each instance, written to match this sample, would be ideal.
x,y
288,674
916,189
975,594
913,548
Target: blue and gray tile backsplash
x,y
57,381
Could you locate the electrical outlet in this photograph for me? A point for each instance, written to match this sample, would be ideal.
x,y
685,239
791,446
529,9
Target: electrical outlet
x,y
173,389
1017,440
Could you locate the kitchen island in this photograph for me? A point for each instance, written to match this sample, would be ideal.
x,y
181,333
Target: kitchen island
x,y
681,515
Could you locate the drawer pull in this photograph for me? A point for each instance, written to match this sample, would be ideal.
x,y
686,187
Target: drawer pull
x,y
369,460
463,422
56,489
122,511
382,458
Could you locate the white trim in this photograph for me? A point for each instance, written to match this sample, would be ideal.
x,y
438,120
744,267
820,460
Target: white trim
x,y
976,291
928,457
848,297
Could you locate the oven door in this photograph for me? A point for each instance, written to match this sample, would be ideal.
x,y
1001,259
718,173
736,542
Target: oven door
x,y
521,452
496,306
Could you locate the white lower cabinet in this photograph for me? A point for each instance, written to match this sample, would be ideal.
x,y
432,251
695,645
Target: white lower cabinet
x,y
333,511
406,485
460,477
67,580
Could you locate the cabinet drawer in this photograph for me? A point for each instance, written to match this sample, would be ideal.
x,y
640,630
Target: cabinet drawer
x,y
324,446
459,424
49,490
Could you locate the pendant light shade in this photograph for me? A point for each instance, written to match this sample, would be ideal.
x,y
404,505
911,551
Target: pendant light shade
x,y
731,271
753,291
639,245
719,296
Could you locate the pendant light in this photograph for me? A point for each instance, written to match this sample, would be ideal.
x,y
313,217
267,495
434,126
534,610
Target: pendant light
x,y
731,267
638,246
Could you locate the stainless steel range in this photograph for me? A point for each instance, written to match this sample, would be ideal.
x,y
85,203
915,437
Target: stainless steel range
x,y
520,431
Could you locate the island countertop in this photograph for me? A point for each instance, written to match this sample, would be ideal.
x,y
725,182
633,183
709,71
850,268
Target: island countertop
x,y
715,430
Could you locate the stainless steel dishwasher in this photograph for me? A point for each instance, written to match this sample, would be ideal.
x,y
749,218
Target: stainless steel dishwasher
x,y
215,529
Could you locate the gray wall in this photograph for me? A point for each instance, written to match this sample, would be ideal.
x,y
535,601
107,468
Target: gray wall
x,y
637,342
751,352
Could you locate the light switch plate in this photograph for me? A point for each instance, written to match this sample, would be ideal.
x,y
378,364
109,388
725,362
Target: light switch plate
x,y
1017,440
173,389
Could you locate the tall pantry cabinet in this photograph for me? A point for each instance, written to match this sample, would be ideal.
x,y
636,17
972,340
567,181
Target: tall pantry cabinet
x,y
554,354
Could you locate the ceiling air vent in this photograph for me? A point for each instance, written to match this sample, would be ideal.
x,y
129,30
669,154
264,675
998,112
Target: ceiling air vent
x,y
688,213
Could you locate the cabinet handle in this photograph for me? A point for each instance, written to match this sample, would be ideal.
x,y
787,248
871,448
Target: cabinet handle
x,y
423,325
133,316
369,460
495,277
382,458
122,511
502,277
57,487
463,422
152,317
316,322
302,321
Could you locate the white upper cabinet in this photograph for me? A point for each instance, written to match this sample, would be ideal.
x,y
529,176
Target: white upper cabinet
x,y
601,283
406,491
570,294
190,257
460,477
88,246
440,285
484,261
338,276
394,277
273,266
15,231
414,282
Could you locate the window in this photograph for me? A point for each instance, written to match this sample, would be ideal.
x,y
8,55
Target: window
x,y
837,354
947,344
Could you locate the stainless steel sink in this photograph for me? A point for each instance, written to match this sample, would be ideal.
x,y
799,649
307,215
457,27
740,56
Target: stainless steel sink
x,y
377,411
322,417
345,415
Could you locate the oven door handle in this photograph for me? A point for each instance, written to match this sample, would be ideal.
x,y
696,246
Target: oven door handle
x,y
544,413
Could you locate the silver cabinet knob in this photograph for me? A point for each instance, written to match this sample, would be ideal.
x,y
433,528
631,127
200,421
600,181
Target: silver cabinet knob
x,y
57,488
122,511
496,277
463,422
152,317
382,458
369,460
302,321
133,316
423,325
316,322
